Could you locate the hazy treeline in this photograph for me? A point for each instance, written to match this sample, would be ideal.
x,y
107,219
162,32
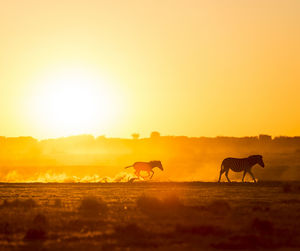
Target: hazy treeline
x,y
184,158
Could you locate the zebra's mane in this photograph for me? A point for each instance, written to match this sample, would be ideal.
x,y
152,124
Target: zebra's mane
x,y
154,161
255,156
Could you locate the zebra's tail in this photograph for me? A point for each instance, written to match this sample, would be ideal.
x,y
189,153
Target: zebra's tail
x,y
128,166
222,166
221,171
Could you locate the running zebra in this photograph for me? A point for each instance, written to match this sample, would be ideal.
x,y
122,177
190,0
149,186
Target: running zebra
x,y
146,166
238,165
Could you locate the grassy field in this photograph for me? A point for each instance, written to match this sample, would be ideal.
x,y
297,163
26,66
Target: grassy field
x,y
164,216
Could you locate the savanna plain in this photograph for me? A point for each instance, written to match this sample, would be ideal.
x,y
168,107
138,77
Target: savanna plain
x,y
150,215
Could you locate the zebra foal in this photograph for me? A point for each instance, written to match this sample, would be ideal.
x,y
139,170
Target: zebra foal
x,y
239,165
146,166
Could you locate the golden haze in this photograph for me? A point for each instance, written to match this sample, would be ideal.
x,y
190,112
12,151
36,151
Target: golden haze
x,y
180,67
85,158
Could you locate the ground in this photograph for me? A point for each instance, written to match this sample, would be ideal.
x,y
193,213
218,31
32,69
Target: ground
x,y
164,216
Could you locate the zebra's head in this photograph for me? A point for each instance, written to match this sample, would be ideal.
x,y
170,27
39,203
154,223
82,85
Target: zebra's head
x,y
157,163
258,159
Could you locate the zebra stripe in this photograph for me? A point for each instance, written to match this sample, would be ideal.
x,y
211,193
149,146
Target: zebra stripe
x,y
239,165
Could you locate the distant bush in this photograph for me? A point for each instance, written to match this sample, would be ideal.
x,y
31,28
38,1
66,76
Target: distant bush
x,y
6,227
152,205
155,135
172,201
133,236
40,220
57,203
35,234
92,206
39,228
147,203
262,226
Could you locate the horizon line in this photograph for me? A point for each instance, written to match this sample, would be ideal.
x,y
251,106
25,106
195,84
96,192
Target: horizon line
x,y
149,137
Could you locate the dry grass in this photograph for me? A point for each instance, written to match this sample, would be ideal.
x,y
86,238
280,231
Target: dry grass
x,y
25,204
186,219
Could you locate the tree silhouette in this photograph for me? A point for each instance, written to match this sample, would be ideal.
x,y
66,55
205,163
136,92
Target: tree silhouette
x,y
154,135
135,135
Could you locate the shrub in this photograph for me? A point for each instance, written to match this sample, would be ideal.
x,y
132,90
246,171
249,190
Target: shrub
x,y
152,205
39,228
262,226
92,206
35,234
149,204
57,203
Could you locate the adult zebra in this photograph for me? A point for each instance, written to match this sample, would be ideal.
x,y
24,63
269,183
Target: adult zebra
x,y
238,165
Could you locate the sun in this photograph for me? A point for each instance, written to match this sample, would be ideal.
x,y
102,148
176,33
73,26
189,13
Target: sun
x,y
74,101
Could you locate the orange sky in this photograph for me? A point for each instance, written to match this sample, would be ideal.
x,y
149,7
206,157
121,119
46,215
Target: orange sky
x,y
179,67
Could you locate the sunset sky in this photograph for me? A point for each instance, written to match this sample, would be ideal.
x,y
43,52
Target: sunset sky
x,y
195,68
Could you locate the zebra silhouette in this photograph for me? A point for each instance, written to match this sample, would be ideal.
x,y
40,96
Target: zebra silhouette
x,y
146,166
239,165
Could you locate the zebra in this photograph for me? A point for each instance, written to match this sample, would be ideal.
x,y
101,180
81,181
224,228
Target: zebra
x,y
238,165
146,166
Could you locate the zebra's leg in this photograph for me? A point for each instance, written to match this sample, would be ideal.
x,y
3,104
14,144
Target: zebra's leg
x,y
221,172
226,174
137,173
252,176
244,175
152,174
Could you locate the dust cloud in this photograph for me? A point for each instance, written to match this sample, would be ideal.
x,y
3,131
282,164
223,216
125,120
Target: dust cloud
x,y
14,177
86,158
